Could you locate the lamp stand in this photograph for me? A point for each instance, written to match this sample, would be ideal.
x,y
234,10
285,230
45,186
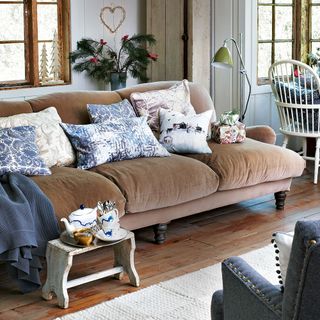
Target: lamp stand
x,y
243,72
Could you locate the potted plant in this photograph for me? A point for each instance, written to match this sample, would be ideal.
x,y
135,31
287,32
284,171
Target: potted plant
x,y
102,62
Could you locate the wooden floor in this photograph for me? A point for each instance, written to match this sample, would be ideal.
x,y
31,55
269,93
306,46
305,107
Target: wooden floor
x,y
193,243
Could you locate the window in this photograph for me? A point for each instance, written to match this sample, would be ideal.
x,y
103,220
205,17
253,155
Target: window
x,y
286,29
275,34
314,32
34,44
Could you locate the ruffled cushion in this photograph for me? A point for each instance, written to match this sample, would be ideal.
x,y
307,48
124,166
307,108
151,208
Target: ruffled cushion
x,y
54,146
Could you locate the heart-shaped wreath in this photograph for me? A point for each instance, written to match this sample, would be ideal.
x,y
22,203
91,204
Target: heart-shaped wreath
x,y
111,10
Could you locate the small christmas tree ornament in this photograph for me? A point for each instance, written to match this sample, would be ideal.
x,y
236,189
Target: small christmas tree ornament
x,y
55,70
44,73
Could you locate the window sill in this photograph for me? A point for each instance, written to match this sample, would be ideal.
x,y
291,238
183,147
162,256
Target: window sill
x,y
29,86
261,89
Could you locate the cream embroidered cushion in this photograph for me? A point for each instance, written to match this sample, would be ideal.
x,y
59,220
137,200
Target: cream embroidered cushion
x,y
54,146
175,98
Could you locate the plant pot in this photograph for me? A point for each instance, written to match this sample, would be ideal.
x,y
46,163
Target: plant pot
x,y
118,80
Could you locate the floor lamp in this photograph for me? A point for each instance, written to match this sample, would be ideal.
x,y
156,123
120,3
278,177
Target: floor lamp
x,y
223,59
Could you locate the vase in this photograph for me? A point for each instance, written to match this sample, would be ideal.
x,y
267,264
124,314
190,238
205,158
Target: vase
x,y
118,80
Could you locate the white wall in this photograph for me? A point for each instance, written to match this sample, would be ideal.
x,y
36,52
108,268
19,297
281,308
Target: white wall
x,y
85,22
232,17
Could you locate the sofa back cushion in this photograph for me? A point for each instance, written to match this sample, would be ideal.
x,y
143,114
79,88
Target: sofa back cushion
x,y
10,108
72,106
200,98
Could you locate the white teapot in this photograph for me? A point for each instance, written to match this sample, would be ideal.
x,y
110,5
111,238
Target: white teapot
x,y
79,219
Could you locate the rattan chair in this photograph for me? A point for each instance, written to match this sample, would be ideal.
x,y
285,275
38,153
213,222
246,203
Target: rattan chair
x,y
296,88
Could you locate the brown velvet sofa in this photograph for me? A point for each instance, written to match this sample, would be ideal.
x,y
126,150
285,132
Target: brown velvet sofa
x,y
154,191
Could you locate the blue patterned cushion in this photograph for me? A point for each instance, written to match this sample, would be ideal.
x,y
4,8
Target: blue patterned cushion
x,y
19,152
113,141
111,112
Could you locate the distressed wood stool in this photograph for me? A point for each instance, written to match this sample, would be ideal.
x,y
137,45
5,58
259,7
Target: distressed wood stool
x,y
59,262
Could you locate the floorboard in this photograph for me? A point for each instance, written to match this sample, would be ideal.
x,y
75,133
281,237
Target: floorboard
x,y
193,242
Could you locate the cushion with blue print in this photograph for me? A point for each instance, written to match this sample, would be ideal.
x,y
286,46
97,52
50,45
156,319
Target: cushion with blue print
x,y
123,139
100,113
19,152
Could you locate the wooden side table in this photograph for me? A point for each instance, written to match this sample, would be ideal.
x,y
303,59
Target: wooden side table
x,y
59,262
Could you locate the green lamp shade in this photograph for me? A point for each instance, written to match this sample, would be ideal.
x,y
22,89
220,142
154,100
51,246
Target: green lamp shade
x,y
222,58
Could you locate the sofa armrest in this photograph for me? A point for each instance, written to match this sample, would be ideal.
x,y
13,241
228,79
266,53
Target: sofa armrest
x,y
261,133
248,295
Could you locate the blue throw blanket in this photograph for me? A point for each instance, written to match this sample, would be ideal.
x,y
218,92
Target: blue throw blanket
x,y
27,222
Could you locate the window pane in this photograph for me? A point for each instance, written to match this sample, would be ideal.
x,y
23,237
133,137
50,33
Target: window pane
x,y
315,22
265,1
54,1
315,46
11,22
264,58
283,22
47,21
265,22
284,2
283,51
12,63
315,1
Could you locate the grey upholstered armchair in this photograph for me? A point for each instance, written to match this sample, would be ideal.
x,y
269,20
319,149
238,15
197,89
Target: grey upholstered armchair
x,y
247,295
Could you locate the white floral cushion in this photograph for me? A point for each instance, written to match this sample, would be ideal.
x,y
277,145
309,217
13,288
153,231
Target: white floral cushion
x,y
184,134
175,98
54,146
19,152
124,139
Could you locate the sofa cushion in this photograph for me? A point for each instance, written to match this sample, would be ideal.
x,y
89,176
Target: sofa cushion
x,y
175,98
180,133
250,163
10,108
105,113
152,183
54,146
68,188
72,106
19,152
98,143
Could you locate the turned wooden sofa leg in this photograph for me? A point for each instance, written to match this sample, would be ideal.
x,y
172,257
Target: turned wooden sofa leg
x,y
280,199
160,232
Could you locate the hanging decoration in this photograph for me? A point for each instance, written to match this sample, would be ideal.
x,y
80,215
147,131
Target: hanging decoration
x,y
110,12
44,73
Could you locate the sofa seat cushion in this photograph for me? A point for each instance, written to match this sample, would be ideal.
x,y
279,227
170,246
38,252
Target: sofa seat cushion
x,y
68,188
250,163
153,183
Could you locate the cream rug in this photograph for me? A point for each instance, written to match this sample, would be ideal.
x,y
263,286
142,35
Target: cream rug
x,y
183,298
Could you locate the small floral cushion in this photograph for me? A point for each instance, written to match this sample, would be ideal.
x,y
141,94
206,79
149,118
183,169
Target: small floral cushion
x,y
175,98
184,134
19,152
123,139
101,113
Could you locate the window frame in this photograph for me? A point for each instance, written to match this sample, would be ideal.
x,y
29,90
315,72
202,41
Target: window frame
x,y
31,44
263,81
311,40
